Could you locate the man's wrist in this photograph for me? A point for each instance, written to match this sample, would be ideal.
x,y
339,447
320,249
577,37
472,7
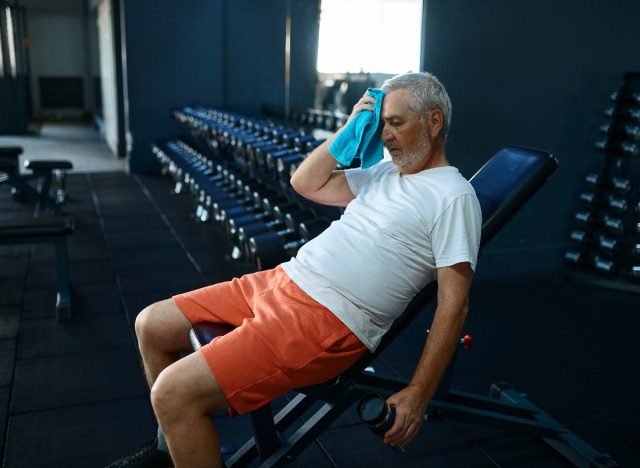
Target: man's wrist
x,y
423,390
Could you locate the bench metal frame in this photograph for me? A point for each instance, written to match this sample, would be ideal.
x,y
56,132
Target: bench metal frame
x,y
42,173
46,231
503,185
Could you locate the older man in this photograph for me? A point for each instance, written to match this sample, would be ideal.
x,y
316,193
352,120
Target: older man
x,y
407,222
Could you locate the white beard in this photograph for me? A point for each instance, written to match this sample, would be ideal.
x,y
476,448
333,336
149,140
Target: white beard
x,y
415,155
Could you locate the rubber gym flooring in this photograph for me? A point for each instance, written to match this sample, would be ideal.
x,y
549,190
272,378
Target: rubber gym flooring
x,y
72,393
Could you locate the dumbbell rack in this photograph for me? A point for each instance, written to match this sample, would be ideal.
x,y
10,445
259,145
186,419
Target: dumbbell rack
x,y
605,240
237,169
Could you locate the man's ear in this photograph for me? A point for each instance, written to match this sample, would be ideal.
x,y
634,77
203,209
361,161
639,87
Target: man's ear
x,y
435,119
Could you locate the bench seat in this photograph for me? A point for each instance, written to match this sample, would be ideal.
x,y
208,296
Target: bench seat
x,y
43,173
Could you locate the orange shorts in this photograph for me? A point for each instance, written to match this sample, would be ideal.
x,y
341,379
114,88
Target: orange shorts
x,y
283,339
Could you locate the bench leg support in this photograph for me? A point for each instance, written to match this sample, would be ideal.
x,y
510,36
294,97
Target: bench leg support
x,y
63,300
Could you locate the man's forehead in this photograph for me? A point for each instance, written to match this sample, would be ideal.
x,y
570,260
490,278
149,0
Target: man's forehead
x,y
395,104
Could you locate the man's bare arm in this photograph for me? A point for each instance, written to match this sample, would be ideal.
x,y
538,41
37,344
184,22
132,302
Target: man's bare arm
x,y
317,178
411,402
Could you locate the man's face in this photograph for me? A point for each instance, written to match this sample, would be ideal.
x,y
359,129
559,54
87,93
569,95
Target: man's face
x,y
405,134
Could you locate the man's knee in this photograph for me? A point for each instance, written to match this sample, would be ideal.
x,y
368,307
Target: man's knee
x,y
165,396
161,321
144,325
186,388
147,325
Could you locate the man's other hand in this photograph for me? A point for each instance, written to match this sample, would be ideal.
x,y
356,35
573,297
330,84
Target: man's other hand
x,y
410,405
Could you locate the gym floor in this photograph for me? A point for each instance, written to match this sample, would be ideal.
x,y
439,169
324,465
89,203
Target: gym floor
x,y
72,393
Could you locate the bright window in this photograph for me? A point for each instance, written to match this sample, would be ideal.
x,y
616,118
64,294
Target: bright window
x,y
11,43
372,36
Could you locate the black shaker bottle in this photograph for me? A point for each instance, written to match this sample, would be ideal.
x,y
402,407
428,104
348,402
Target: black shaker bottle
x,y
375,413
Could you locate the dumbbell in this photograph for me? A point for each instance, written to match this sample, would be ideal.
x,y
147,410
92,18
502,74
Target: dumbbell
x,y
614,203
284,223
610,223
601,264
249,208
255,153
245,146
631,132
259,154
176,162
306,141
209,185
272,248
273,221
262,214
287,165
576,258
202,174
193,162
619,184
633,98
247,199
285,135
610,147
162,158
624,112
606,244
272,157
234,192
605,266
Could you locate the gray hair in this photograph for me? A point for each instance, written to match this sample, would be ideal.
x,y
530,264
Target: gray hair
x,y
425,94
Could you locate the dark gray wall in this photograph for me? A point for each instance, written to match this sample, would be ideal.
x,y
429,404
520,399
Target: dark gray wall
x,y
536,74
14,118
174,56
222,53
254,44
255,53
305,30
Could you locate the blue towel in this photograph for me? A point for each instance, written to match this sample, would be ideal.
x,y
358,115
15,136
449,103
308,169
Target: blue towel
x,y
362,137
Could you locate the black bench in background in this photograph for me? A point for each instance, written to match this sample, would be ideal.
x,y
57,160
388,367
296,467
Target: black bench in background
x,y
45,230
43,172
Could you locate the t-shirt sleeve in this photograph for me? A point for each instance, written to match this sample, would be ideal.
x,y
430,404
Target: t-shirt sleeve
x,y
455,236
357,178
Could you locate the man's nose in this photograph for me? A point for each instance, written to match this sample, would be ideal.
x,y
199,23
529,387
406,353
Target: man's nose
x,y
387,135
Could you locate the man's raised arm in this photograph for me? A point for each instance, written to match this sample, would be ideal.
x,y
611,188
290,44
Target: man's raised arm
x,y
317,178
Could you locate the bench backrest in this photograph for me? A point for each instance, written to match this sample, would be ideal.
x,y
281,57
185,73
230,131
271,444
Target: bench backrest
x,y
503,185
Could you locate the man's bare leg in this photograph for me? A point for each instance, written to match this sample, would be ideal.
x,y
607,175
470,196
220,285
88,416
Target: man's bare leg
x,y
162,331
183,397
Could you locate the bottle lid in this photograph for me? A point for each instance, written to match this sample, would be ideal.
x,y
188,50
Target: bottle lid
x,y
372,409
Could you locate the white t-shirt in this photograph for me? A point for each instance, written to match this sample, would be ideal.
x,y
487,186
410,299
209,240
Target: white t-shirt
x,y
367,266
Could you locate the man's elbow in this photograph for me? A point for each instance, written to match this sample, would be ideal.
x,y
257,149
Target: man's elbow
x,y
298,186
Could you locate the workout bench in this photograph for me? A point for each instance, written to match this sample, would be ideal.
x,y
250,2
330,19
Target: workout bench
x,y
503,185
44,172
43,230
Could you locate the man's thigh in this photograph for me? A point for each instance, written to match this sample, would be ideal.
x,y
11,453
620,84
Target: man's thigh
x,y
292,341
228,302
